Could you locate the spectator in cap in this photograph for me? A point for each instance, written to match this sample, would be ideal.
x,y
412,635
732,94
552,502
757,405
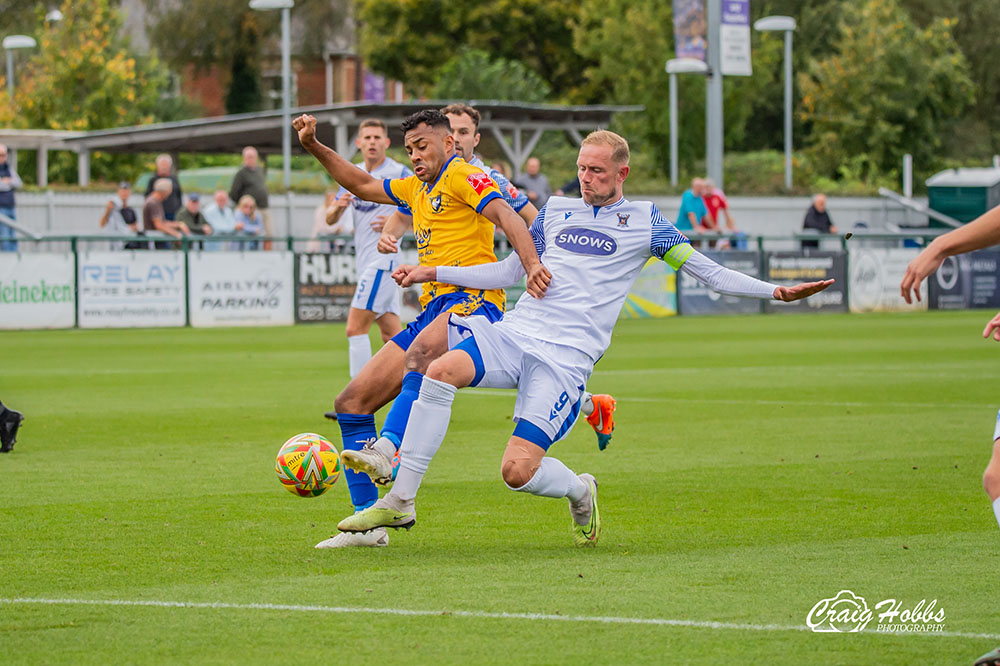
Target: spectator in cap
x,y
119,219
192,216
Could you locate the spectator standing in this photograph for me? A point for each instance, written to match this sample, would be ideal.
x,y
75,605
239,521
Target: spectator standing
x,y
192,216
693,211
154,218
9,181
220,217
249,221
817,219
534,183
120,219
715,201
252,180
165,169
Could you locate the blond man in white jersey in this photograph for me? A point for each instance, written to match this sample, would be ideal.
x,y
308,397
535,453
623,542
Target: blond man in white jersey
x,y
546,347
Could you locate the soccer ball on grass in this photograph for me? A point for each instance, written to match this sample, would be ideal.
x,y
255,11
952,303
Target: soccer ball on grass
x,y
307,465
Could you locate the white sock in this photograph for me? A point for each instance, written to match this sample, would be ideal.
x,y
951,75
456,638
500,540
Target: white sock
x,y
587,403
425,430
554,479
359,350
996,509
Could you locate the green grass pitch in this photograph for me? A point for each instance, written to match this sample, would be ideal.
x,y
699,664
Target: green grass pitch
x,y
759,464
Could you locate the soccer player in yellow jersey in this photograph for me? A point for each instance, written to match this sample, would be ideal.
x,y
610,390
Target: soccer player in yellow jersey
x,y
455,207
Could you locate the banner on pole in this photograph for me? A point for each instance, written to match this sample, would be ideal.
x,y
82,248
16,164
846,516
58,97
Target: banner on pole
x,y
734,38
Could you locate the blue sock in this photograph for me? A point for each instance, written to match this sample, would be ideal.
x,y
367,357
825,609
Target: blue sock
x,y
399,413
356,430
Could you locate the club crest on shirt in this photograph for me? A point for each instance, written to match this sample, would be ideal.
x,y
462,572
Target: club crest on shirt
x,y
623,220
436,205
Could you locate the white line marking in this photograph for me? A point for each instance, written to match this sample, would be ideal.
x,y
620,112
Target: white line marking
x,y
459,613
783,403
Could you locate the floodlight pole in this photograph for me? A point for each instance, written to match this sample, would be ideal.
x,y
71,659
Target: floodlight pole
x,y
286,75
788,109
785,24
713,94
674,67
286,96
10,44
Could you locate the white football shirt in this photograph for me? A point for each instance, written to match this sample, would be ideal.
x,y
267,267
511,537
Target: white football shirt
x,y
366,238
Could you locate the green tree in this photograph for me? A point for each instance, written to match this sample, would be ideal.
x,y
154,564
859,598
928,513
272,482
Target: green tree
x,y
537,33
978,135
83,77
889,88
473,75
640,33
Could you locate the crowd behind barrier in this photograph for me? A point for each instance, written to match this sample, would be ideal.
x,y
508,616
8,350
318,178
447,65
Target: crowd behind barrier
x,y
80,281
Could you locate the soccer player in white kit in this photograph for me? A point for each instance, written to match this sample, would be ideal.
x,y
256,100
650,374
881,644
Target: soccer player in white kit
x,y
377,299
547,347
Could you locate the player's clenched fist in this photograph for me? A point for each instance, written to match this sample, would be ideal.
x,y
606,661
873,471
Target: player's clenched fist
x,y
538,280
305,125
407,275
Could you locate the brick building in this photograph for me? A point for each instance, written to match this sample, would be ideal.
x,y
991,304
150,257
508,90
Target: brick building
x,y
338,75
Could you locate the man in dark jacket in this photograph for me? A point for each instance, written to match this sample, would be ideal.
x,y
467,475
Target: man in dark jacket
x,y
250,179
818,220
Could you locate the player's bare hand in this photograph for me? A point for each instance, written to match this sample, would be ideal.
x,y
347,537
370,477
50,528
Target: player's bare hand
x,y
407,275
378,223
926,263
538,280
993,327
800,291
387,243
305,125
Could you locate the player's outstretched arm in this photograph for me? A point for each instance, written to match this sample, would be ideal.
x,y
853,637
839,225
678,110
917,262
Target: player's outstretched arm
x,y
392,231
352,178
494,275
800,291
982,232
733,283
499,213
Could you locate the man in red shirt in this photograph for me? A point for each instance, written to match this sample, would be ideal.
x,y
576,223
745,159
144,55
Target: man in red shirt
x,y
715,201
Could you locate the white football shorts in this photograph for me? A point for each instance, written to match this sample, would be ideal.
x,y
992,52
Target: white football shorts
x,y
550,379
376,291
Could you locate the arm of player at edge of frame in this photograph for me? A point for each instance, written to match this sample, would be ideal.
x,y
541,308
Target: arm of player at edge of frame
x,y
982,232
503,216
353,179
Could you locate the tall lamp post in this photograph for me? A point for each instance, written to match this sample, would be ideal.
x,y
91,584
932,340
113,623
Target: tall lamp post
x,y
785,24
10,44
286,121
674,67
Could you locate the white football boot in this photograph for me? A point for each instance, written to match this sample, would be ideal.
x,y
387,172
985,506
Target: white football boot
x,y
373,538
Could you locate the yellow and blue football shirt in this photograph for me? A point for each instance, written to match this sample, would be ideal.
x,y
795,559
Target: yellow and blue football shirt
x,y
448,223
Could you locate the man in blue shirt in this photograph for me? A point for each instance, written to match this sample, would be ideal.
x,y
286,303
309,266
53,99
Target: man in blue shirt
x,y
693,208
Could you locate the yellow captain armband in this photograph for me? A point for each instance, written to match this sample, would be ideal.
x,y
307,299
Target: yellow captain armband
x,y
677,255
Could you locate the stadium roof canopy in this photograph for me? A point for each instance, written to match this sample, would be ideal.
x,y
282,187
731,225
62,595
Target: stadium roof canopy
x,y
515,127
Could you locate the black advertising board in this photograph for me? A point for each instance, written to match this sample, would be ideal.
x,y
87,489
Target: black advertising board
x,y
694,298
324,286
788,268
966,281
